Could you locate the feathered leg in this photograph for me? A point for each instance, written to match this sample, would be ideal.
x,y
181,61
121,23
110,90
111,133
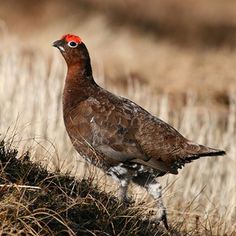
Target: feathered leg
x,y
121,175
123,189
154,188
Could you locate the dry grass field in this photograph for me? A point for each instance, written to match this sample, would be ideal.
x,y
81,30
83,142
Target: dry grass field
x,y
193,87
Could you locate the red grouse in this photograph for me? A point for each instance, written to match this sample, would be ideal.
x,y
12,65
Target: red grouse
x,y
118,135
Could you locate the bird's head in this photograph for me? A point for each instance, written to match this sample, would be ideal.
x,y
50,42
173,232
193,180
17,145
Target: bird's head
x,y
73,49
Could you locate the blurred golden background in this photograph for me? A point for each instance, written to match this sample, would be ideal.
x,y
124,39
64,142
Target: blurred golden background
x,y
173,45
176,58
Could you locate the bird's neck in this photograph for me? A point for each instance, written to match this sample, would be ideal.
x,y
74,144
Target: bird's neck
x,y
79,85
81,68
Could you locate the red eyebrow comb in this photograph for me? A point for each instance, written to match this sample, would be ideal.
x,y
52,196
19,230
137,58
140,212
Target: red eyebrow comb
x,y
70,37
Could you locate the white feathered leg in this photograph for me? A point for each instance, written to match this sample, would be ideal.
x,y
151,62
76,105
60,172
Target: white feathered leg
x,y
121,175
154,188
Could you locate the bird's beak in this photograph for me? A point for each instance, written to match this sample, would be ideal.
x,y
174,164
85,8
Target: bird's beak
x,y
59,44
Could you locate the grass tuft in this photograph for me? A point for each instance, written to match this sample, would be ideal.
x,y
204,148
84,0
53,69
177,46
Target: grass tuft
x,y
60,205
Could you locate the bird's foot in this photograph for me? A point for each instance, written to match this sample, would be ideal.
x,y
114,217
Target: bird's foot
x,y
159,218
128,201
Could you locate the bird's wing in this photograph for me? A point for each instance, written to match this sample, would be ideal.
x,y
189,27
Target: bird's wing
x,y
124,132
108,126
166,148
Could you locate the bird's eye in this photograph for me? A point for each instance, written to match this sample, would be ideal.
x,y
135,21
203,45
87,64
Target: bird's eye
x,y
72,44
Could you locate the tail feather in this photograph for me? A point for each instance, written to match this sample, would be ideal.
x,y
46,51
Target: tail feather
x,y
196,151
193,151
212,152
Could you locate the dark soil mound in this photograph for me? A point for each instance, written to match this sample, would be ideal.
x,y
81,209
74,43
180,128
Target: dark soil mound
x,y
36,202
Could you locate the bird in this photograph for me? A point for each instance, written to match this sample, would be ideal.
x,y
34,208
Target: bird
x,y
117,135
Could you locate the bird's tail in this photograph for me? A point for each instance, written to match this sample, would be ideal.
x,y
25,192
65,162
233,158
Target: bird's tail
x,y
211,152
196,151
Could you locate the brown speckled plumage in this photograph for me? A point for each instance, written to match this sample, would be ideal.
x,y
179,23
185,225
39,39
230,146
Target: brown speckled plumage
x,y
113,132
